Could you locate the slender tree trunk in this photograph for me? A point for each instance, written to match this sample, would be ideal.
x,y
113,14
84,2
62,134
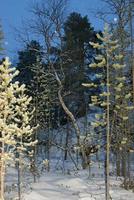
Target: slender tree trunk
x,y
2,172
0,178
128,166
34,159
118,164
131,42
107,194
124,166
48,150
19,177
67,140
35,135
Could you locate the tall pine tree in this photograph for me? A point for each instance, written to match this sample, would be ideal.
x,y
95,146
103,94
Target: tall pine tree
x,y
78,54
113,100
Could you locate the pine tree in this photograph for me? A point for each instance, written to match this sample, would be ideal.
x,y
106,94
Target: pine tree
x,y
42,86
35,73
28,57
25,142
16,133
111,99
78,53
43,89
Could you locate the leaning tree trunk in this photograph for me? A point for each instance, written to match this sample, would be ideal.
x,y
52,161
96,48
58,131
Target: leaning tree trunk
x,y
73,120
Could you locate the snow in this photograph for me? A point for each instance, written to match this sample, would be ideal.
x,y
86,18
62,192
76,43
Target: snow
x,y
57,186
64,182
67,183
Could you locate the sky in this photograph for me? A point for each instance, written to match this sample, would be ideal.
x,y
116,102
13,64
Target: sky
x,y
12,12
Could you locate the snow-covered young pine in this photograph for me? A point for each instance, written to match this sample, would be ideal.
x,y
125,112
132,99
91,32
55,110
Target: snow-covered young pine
x,y
112,98
15,131
43,89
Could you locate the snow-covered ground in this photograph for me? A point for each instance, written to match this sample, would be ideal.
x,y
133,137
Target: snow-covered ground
x,y
56,186
64,182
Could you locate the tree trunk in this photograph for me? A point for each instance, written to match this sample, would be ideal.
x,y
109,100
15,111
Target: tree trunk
x,y
107,194
118,164
67,140
2,174
131,43
124,166
71,117
129,166
19,177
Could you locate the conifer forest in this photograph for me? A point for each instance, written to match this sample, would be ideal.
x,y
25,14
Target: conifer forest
x,y
67,100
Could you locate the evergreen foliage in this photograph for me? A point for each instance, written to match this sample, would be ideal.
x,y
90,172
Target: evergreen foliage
x,y
78,54
113,99
15,129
